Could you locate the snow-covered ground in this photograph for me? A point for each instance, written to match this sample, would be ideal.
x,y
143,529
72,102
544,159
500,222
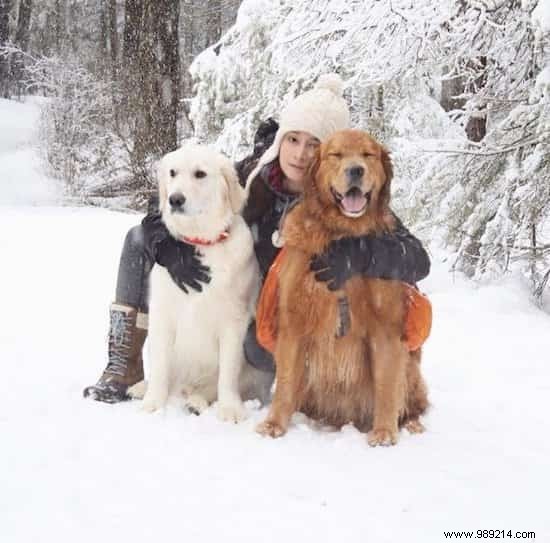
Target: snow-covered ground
x,y
77,470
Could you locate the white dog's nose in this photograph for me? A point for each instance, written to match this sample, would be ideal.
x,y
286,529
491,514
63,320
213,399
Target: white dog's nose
x,y
176,201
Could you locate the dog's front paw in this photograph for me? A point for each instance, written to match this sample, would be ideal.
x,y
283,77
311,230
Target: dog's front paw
x,y
152,403
196,404
414,426
232,411
270,428
382,436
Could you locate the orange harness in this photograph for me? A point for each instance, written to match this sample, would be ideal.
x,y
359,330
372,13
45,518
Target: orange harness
x,y
417,325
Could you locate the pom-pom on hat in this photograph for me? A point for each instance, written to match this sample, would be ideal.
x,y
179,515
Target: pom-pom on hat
x,y
319,111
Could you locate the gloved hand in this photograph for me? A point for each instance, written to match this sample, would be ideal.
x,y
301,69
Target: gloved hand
x,y
396,255
183,264
182,260
265,134
343,259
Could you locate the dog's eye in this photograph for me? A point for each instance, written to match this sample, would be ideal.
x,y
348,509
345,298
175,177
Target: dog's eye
x,y
367,155
199,174
335,155
172,173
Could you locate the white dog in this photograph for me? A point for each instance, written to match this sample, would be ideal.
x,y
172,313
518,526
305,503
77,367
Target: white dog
x,y
196,339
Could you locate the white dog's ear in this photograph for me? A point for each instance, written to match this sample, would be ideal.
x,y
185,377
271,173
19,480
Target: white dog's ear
x,y
237,194
163,195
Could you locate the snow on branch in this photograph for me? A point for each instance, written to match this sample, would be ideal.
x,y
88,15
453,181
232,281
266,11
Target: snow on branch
x,y
474,173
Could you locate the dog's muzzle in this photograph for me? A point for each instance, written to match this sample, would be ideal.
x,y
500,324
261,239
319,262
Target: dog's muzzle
x,y
354,175
176,201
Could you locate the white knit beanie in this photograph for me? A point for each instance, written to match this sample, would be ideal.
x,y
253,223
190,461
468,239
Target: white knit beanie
x,y
319,111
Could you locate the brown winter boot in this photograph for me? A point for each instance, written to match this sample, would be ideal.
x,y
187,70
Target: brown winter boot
x,y
127,333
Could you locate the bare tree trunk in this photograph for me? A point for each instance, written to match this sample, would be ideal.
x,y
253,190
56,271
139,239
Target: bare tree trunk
x,y
5,6
108,49
151,81
212,22
23,24
168,74
229,13
113,37
130,104
133,15
60,26
450,89
144,92
103,46
187,48
22,41
476,128
477,124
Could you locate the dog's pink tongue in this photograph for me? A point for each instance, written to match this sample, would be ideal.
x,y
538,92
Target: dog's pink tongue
x,y
354,202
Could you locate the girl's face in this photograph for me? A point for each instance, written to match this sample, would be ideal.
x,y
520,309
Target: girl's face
x,y
295,157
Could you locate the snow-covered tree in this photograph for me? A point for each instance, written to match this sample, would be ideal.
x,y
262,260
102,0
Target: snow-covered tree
x,y
487,200
494,197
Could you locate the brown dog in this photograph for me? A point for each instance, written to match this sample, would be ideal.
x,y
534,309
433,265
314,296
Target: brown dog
x,y
341,356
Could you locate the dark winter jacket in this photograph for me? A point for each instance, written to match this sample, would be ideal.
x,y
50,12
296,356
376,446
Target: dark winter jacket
x,y
264,209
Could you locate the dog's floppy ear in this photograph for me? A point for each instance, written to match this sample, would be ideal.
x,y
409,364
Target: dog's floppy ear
x,y
237,194
388,172
313,169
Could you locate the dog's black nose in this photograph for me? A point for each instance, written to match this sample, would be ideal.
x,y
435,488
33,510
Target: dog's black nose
x,y
176,201
354,173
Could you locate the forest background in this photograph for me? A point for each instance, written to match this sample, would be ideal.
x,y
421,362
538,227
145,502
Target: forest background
x,y
459,90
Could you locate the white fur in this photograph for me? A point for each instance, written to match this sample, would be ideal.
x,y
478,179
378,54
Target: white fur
x,y
196,339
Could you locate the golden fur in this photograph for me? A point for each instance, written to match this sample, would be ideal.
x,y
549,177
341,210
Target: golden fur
x,y
367,376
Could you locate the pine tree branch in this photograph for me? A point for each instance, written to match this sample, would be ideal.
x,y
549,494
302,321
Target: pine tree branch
x,y
485,153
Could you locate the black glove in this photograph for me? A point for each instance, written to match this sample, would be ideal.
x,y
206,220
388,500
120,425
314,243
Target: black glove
x,y
262,140
182,260
396,255
265,134
344,258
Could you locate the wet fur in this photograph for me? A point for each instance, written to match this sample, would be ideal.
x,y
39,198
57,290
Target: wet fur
x,y
367,377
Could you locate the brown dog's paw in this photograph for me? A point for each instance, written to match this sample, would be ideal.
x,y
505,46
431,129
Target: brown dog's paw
x,y
414,426
270,428
382,436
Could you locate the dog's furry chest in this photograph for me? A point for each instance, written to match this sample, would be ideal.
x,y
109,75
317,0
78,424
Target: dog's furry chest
x,y
362,304
199,318
337,375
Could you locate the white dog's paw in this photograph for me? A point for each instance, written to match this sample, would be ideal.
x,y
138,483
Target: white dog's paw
x,y
152,403
137,391
196,404
234,411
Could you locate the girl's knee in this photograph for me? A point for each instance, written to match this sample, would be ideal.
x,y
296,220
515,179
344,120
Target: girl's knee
x,y
135,239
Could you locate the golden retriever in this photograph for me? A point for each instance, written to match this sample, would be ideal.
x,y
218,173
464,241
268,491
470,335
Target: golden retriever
x,y
341,356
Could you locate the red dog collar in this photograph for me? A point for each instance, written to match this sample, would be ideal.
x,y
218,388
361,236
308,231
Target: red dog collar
x,y
199,241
